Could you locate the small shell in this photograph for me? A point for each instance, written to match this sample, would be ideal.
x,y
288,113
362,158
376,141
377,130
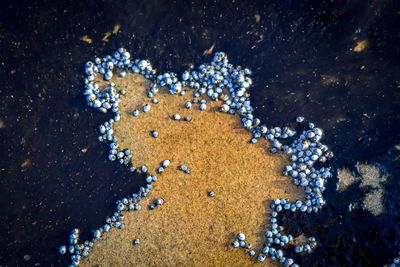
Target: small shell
x,y
235,244
241,236
135,113
154,133
252,252
146,108
176,117
203,106
108,75
62,250
166,163
188,105
299,119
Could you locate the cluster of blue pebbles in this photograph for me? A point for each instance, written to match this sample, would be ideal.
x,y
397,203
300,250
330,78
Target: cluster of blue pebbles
x,y
219,80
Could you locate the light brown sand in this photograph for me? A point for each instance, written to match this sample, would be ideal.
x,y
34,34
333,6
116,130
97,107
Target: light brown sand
x,y
191,228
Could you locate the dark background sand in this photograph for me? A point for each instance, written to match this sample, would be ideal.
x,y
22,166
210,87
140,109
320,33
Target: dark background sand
x,y
303,61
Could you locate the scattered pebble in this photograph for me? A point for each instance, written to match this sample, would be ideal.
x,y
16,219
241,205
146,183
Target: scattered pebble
x,y
27,257
160,201
241,236
203,106
299,119
166,163
135,113
184,168
176,117
146,108
154,133
62,250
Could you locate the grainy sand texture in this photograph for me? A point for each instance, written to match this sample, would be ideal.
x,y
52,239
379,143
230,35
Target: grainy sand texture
x,y
372,179
191,228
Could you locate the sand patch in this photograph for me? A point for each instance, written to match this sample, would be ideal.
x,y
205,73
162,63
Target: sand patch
x,y
191,228
86,39
372,179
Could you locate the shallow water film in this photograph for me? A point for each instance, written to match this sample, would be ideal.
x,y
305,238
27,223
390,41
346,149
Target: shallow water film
x,y
336,63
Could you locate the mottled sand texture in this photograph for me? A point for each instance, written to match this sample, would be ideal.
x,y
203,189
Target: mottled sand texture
x,y
191,228
371,179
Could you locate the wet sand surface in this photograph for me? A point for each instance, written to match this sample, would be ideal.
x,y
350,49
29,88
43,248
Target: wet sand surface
x,y
191,228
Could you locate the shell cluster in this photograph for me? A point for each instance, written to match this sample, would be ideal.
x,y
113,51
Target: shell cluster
x,y
395,263
219,80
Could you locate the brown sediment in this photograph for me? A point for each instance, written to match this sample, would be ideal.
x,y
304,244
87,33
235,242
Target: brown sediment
x,y
300,240
360,46
26,164
116,28
346,179
106,36
86,39
372,179
372,175
209,50
373,202
191,228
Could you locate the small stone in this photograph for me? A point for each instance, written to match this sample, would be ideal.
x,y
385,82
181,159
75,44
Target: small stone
x,y
188,105
166,163
176,117
135,113
252,252
184,168
154,133
261,258
146,108
299,119
235,244
241,236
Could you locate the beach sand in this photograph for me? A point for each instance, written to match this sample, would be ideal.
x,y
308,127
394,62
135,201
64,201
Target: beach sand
x,y
191,228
